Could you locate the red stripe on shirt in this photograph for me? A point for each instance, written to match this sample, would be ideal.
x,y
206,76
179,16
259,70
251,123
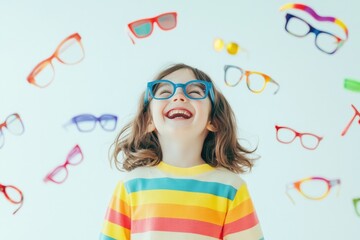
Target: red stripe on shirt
x,y
118,218
176,225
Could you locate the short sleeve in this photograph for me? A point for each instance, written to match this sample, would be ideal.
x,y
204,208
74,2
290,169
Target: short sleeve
x,y
241,221
117,223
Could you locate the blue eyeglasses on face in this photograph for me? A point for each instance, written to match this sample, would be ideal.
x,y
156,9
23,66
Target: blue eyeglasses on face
x,y
165,89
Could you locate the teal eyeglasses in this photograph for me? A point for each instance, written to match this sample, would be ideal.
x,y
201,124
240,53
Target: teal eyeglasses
x,y
165,89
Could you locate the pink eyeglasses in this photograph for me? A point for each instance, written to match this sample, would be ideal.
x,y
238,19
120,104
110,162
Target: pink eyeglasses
x,y
60,173
13,194
357,114
287,135
314,188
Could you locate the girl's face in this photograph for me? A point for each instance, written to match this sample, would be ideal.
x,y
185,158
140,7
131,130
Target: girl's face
x,y
180,116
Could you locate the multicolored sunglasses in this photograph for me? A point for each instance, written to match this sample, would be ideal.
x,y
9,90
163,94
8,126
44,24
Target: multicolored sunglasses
x,y
143,28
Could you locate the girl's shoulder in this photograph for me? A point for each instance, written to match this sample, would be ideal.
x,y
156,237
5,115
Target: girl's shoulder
x,y
225,176
139,172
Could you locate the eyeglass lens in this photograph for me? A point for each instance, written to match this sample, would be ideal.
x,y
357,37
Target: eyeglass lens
x,y
14,125
13,194
314,188
167,21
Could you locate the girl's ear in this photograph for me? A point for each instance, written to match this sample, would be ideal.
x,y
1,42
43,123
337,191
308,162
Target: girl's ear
x,y
211,127
150,127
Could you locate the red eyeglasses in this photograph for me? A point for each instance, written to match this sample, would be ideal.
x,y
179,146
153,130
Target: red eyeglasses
x,y
287,135
143,28
13,194
60,173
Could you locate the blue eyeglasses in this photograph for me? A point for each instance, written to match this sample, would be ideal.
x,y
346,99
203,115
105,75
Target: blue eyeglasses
x,y
165,89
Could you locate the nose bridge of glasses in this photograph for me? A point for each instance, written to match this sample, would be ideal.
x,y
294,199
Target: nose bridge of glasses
x,y
179,91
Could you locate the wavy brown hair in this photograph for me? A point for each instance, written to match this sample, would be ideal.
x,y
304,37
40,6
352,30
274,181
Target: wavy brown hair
x,y
221,148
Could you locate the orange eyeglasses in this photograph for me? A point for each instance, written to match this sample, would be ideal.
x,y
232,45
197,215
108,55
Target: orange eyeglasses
x,y
255,81
70,51
314,188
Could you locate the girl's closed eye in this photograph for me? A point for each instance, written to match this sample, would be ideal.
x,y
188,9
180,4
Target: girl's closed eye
x,y
163,90
195,91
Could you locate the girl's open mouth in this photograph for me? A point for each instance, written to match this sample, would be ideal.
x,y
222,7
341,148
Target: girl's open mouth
x,y
179,113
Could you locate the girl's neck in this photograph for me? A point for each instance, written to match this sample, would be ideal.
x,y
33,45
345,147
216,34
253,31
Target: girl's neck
x,y
180,153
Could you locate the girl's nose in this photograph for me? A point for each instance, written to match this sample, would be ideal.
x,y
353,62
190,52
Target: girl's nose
x,y
179,96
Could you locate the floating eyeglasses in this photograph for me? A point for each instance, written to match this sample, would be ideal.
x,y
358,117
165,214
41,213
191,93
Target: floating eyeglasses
x,y
255,81
287,135
14,124
13,194
60,173
314,188
165,89
70,51
231,47
324,41
144,27
87,122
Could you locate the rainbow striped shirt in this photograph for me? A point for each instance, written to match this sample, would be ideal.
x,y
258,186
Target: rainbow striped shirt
x,y
172,203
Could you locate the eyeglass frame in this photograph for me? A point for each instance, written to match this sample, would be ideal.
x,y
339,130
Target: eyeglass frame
x,y
246,73
296,185
208,90
73,152
2,189
356,202
357,113
152,20
74,120
316,31
4,124
297,134
38,68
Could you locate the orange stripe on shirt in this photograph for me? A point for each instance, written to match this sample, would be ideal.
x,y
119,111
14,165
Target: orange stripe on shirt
x,y
178,211
243,209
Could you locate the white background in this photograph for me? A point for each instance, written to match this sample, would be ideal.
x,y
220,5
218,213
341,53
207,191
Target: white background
x,y
113,74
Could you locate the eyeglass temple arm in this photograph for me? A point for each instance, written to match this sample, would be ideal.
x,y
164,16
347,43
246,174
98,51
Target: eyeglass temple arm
x,y
21,203
335,182
65,125
278,86
288,187
348,125
127,32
